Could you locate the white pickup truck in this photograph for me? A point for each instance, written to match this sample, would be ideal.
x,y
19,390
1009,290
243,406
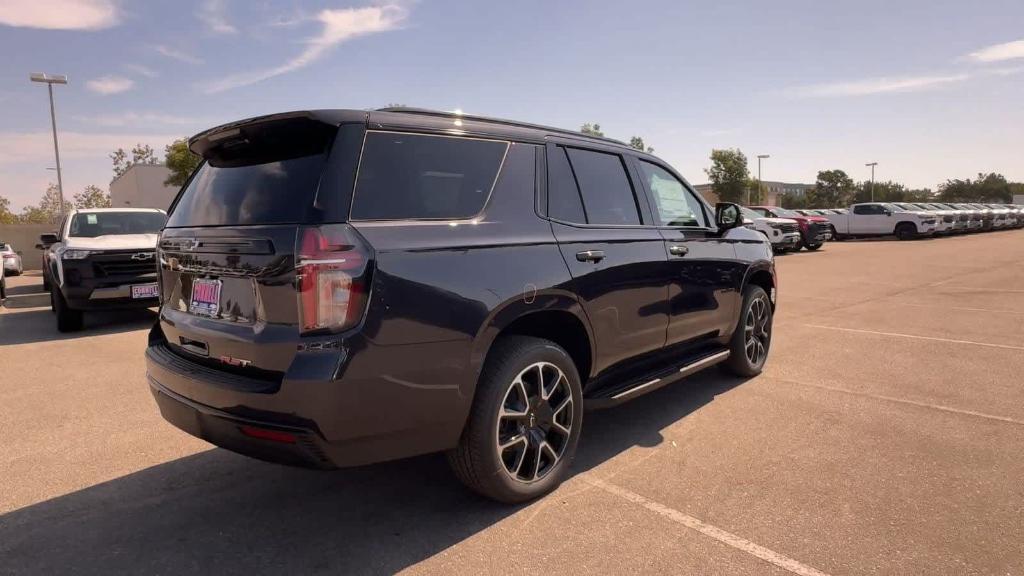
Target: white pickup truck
x,y
882,219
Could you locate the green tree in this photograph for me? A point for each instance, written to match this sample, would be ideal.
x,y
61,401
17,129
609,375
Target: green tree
x,y
92,197
6,216
140,154
48,211
181,162
993,188
729,175
638,143
592,129
833,189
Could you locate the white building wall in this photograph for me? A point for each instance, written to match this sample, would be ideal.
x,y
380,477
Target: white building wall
x,y
142,186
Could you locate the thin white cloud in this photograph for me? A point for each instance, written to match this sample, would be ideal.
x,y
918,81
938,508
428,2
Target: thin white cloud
x,y
107,85
141,70
871,86
124,119
60,14
178,55
212,13
339,26
999,52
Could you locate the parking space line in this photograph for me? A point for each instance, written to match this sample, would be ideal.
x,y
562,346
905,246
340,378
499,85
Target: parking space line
x,y
962,309
706,529
915,337
939,407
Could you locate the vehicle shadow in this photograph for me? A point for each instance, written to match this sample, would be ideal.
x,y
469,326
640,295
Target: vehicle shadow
x,y
40,325
217,512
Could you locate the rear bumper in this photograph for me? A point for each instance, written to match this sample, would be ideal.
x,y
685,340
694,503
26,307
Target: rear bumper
x,y
335,423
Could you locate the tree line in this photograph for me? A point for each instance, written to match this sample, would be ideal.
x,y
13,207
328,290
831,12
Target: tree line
x,y
177,158
731,182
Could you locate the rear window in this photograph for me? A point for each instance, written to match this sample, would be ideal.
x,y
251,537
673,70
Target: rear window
x,y
277,192
416,176
94,224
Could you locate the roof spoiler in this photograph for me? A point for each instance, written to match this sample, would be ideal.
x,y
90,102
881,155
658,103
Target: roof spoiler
x,y
208,142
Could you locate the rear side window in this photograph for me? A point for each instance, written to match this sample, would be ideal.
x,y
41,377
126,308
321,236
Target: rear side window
x,y
564,202
416,176
607,194
867,209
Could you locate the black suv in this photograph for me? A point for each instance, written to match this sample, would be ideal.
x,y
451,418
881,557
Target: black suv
x,y
344,287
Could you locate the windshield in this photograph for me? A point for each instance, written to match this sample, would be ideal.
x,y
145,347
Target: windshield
x,y
750,213
894,207
93,224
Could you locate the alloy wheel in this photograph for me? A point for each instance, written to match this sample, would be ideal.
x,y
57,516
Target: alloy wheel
x,y
535,422
757,332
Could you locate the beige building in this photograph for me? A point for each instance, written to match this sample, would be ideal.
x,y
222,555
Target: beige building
x,y
142,186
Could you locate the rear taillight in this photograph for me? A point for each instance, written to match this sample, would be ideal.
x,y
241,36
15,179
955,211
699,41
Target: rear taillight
x,y
332,275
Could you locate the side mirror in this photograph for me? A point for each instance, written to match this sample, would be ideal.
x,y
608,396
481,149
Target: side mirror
x,y
727,216
48,239
887,212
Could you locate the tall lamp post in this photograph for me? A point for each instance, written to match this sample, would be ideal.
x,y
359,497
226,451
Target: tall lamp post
x,y
50,80
760,186
872,165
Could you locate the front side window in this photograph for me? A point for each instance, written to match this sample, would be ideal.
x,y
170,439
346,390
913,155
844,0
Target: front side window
x,y
94,224
607,194
418,176
674,205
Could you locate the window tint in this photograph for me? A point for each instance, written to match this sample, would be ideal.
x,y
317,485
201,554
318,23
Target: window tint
x,y
607,194
867,209
417,176
274,192
93,224
564,201
674,205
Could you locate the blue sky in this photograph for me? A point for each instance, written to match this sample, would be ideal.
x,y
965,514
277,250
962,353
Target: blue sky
x,y
930,89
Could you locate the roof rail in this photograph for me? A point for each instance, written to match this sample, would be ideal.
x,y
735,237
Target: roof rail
x,y
444,114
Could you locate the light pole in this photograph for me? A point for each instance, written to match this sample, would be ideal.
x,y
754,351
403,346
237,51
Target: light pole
x,y
872,164
760,186
50,80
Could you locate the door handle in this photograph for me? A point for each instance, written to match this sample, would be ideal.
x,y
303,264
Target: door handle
x,y
678,250
590,255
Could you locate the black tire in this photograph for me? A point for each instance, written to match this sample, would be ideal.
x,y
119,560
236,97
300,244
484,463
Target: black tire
x,y
3,290
740,362
495,472
812,247
68,320
46,282
906,231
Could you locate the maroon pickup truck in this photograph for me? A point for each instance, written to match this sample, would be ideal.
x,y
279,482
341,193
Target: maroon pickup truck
x,y
814,230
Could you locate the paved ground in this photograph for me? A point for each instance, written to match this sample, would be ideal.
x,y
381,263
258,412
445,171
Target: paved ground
x,y
884,437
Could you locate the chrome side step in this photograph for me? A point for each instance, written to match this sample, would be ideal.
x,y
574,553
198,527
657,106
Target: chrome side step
x,y
656,383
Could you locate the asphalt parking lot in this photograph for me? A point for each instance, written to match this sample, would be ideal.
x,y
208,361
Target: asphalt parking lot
x,y
885,436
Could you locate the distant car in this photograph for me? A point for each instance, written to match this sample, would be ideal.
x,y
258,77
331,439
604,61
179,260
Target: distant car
x,y
945,219
782,233
11,258
102,258
814,229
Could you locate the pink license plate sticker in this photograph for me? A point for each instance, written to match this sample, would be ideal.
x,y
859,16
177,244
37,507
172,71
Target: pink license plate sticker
x,y
205,297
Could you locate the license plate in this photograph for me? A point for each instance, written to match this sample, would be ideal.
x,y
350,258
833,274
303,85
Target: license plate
x,y
205,297
145,291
